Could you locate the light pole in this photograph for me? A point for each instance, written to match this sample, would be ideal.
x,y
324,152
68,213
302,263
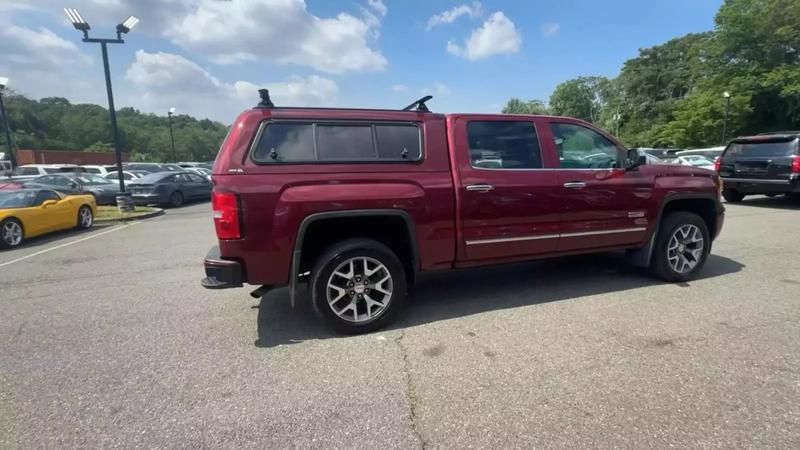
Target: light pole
x,y
7,126
123,28
727,96
171,137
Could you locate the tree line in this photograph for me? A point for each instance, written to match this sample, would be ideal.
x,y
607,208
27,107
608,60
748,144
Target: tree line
x,y
671,95
53,123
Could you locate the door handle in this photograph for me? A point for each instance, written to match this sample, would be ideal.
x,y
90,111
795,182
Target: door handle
x,y
575,184
480,187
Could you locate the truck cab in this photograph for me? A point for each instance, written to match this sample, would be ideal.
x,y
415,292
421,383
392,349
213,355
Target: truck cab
x,y
357,202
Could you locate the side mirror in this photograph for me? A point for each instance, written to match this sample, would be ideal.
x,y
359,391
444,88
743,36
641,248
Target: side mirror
x,y
47,203
636,159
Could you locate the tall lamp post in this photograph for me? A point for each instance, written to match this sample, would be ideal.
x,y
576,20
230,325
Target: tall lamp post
x,y
727,96
123,28
171,137
7,126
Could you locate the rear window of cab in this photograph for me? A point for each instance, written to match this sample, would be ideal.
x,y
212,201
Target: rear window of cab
x,y
309,142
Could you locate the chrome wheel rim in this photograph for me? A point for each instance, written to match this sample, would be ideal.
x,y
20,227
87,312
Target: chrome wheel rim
x,y
359,289
12,233
685,248
86,217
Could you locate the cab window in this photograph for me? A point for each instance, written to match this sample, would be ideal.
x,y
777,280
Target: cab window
x,y
582,148
503,144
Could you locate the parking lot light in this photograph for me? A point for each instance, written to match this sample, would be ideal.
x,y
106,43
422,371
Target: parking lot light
x,y
123,28
727,96
171,137
6,124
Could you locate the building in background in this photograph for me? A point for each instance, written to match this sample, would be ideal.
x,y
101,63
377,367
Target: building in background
x,y
27,156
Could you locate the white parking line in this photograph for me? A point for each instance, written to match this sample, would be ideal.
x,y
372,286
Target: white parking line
x,y
68,244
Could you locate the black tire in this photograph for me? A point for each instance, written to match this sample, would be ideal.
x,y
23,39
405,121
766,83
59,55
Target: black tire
x,y
5,244
81,224
340,253
659,264
732,195
176,199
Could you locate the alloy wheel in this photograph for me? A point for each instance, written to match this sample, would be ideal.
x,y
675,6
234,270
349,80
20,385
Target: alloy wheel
x,y
12,233
359,289
86,217
685,248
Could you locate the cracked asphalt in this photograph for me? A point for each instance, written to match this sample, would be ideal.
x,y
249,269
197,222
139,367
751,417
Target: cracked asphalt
x,y
112,343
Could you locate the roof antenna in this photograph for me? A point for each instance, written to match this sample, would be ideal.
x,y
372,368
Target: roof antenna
x,y
265,101
419,105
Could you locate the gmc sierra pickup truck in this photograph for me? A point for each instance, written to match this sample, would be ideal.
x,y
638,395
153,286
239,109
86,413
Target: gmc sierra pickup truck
x,y
357,202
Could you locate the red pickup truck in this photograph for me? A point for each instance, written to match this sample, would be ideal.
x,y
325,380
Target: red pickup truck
x,y
357,202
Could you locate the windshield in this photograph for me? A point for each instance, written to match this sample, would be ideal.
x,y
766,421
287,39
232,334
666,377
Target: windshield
x,y
785,148
16,199
698,160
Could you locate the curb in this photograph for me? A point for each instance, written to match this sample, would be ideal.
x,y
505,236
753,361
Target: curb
x,y
156,213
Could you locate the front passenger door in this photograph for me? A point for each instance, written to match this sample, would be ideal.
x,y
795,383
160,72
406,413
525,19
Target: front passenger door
x,y
603,204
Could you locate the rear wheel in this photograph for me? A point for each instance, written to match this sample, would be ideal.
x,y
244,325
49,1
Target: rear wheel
x,y
85,217
11,234
358,285
176,199
732,195
682,247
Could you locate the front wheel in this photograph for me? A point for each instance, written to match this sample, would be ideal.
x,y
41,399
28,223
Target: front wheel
x,y
358,285
11,234
176,199
682,247
85,217
732,195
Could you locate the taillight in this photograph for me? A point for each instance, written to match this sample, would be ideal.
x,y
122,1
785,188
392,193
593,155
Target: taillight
x,y
226,215
717,163
796,164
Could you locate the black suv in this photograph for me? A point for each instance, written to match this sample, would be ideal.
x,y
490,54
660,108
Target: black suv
x,y
765,164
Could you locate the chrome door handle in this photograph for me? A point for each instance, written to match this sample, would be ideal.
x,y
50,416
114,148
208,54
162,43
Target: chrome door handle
x,y
480,187
575,184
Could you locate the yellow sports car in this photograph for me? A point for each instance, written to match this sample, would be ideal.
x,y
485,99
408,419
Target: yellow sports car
x,y
26,213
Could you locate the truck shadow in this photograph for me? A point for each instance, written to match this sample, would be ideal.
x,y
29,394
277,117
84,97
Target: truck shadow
x,y
779,202
452,294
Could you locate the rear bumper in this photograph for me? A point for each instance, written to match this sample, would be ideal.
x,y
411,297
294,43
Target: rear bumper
x,y
221,273
761,186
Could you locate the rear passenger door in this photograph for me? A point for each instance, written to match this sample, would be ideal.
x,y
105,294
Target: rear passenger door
x,y
508,201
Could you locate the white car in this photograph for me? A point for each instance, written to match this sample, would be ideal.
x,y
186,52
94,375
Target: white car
x,y
99,170
202,171
695,161
127,175
30,171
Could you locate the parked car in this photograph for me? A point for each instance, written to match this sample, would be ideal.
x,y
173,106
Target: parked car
x,y
358,202
172,167
695,161
127,175
169,188
104,191
711,153
97,170
203,172
149,167
30,171
765,164
25,213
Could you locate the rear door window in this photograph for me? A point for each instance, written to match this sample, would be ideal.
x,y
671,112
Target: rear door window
x,y
503,144
759,149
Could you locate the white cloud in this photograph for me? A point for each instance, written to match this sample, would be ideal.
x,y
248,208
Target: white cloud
x,y
279,30
474,9
550,29
400,88
162,80
438,89
497,35
378,6
26,47
282,31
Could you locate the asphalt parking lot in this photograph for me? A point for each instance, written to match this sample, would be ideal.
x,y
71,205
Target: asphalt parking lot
x,y
108,340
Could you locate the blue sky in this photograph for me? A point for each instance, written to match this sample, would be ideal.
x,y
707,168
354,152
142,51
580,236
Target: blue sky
x,y
207,57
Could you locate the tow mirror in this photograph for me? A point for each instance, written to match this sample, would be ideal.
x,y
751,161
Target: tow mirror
x,y
47,203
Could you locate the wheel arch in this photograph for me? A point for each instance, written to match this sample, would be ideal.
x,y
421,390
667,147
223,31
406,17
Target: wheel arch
x,y
705,205
312,222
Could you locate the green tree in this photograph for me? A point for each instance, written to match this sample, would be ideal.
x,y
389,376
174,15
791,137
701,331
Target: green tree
x,y
517,106
582,97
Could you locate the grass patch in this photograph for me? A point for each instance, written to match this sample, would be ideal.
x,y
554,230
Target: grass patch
x,y
111,212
